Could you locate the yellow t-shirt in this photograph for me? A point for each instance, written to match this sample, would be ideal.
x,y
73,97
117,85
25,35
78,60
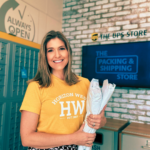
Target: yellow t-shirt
x,y
61,108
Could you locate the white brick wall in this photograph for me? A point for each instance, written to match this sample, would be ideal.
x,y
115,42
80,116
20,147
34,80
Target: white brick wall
x,y
81,18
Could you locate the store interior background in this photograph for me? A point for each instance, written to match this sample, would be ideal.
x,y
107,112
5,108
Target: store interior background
x,y
78,19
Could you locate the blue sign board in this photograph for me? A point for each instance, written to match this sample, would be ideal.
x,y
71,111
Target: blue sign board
x,y
126,64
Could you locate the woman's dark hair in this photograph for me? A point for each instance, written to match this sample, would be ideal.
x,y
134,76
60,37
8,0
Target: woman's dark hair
x,y
43,75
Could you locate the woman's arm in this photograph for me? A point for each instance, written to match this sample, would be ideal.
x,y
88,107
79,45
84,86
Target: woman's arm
x,y
31,138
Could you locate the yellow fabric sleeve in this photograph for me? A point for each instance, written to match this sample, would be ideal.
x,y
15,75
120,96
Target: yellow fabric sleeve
x,y
31,101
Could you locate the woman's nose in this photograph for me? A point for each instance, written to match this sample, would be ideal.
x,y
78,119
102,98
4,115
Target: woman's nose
x,y
57,54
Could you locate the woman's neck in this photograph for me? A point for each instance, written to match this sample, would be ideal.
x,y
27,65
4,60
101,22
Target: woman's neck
x,y
60,74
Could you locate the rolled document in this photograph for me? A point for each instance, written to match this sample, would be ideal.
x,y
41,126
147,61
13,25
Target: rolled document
x,y
97,98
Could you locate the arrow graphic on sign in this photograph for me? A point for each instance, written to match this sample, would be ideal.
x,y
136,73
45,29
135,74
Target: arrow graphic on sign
x,y
3,10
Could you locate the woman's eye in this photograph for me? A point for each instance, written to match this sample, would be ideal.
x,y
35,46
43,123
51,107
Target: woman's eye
x,y
62,48
50,50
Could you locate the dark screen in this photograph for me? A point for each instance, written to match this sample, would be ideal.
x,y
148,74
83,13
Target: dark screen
x,y
124,64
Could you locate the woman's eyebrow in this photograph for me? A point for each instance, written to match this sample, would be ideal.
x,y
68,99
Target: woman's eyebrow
x,y
50,48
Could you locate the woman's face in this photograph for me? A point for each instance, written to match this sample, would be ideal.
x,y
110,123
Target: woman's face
x,y
57,54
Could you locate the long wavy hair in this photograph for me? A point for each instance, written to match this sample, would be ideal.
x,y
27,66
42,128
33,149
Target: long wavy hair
x,y
43,75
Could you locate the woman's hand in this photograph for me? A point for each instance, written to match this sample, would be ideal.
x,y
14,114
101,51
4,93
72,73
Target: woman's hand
x,y
83,138
97,121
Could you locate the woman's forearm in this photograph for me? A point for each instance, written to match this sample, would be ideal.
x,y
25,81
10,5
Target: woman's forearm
x,y
45,140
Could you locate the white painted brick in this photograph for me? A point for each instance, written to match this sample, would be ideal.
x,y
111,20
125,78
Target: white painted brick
x,y
130,17
101,11
131,106
86,41
145,25
120,110
72,45
78,62
136,101
148,91
88,31
137,121
77,7
64,5
115,9
121,91
120,100
138,21
71,20
148,113
66,33
137,112
125,116
76,58
76,49
122,41
62,30
128,95
83,10
75,66
88,13
113,28
144,4
123,22
76,24
130,26
146,14
80,45
76,16
77,71
101,20
76,33
101,2
66,17
93,43
123,3
108,15
67,9
70,29
122,13
138,1
137,91
114,1
70,37
108,114
109,24
147,102
101,30
115,95
130,7
70,4
143,107
93,0
115,19
78,54
74,41
94,17
108,109
89,5
144,118
82,19
109,5
81,36
65,25
111,104
94,26
139,10
95,8
143,97
66,1
108,42
82,27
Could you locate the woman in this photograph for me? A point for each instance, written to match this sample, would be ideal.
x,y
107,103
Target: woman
x,y
53,108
